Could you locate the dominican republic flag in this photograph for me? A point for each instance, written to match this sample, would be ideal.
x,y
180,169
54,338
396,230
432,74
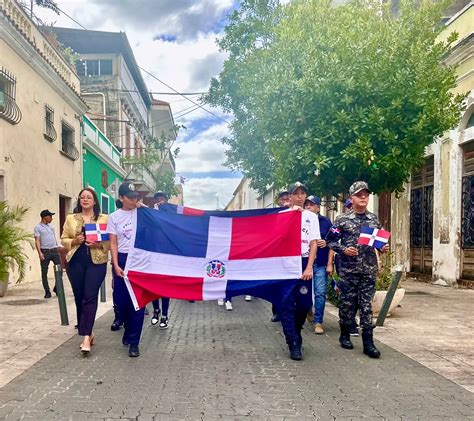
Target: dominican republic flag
x,y
96,232
373,237
184,210
207,257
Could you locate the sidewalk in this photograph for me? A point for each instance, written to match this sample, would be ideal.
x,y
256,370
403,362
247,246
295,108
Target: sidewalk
x,y
435,327
30,326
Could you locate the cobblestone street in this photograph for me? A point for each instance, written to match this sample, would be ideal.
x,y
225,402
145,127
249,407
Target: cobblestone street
x,y
213,364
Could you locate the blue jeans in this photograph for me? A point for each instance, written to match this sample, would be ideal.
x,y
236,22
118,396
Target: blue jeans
x,y
320,280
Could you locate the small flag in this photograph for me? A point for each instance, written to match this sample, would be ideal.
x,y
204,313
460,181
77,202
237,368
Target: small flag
x,y
373,237
96,232
334,230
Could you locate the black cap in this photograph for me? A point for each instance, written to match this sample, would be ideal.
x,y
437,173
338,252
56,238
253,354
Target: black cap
x,y
45,213
283,193
297,186
128,189
160,193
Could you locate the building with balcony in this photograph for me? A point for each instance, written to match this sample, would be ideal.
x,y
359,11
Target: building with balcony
x,y
102,168
40,124
120,105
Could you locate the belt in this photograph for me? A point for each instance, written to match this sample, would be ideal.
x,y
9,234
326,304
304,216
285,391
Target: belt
x,y
50,250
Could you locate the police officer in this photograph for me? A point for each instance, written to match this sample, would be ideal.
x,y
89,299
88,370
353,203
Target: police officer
x,y
295,307
358,268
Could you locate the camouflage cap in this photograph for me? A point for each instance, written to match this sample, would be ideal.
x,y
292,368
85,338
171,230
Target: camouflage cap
x,y
357,187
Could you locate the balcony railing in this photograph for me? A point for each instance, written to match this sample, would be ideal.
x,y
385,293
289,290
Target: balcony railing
x,y
9,109
69,149
92,134
50,132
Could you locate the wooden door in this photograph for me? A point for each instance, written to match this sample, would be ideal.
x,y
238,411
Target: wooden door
x,y
467,217
421,218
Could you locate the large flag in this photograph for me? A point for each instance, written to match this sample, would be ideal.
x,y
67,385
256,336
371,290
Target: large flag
x,y
207,257
185,210
373,237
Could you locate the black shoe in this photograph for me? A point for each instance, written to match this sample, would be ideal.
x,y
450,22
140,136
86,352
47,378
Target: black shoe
x,y
275,318
156,317
116,325
191,301
345,338
133,351
369,347
47,294
55,290
295,351
164,323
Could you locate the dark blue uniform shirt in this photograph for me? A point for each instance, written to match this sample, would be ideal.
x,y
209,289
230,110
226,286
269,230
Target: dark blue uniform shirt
x,y
323,253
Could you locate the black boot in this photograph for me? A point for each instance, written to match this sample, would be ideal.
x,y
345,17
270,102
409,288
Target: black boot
x,y
369,347
295,351
345,338
117,323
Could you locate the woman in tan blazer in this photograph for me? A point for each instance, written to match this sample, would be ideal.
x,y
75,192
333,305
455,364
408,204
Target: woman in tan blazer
x,y
87,262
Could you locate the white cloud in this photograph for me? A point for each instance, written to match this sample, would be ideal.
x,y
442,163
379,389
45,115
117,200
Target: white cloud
x,y
204,153
208,193
186,65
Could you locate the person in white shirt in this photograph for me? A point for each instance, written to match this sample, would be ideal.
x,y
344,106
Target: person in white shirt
x,y
295,308
120,228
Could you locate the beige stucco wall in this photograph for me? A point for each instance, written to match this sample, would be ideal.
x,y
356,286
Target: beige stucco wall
x,y
35,172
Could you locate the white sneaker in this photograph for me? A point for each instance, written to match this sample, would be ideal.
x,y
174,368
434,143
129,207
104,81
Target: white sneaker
x,y
228,306
248,298
220,302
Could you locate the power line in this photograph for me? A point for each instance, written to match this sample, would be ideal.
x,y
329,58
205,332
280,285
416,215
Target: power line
x,y
174,90
160,123
158,93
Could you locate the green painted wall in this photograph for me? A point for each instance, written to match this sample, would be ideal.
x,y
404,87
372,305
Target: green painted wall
x,y
92,176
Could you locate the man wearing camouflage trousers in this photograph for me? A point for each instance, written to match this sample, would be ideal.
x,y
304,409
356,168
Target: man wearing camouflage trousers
x,y
358,268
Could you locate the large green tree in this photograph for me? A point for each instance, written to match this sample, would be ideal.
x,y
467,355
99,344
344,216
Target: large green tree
x,y
327,95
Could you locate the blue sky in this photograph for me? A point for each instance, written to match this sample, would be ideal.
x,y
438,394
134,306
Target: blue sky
x,y
176,41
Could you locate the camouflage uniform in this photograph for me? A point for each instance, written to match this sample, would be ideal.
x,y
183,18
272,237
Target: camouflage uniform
x,y
357,273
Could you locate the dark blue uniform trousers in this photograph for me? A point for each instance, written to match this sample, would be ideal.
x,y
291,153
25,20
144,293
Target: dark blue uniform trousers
x,y
295,307
132,320
86,278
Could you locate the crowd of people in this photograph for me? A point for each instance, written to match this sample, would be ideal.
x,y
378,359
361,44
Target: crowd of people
x,y
326,247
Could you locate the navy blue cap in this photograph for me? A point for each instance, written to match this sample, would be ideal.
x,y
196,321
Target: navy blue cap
x,y
128,189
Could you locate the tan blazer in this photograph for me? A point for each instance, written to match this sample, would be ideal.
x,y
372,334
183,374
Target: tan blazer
x,y
73,227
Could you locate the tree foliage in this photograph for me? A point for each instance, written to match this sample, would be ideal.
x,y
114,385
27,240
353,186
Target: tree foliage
x,y
327,95
12,240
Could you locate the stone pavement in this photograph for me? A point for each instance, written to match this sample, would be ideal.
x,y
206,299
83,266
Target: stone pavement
x,y
213,364
434,326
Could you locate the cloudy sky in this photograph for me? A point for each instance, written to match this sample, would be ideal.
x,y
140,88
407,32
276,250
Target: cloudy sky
x,y
175,40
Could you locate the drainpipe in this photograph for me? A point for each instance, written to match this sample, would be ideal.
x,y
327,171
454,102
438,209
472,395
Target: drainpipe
x,y
103,107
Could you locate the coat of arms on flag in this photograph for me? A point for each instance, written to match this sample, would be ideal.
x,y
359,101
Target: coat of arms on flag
x,y
373,237
96,232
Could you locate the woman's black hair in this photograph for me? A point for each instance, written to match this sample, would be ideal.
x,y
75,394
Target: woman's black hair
x,y
96,208
118,204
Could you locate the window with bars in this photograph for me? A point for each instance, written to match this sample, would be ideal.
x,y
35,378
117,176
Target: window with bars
x,y
68,146
49,130
9,109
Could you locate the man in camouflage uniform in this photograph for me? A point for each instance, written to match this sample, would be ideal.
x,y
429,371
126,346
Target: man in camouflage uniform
x,y
358,268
